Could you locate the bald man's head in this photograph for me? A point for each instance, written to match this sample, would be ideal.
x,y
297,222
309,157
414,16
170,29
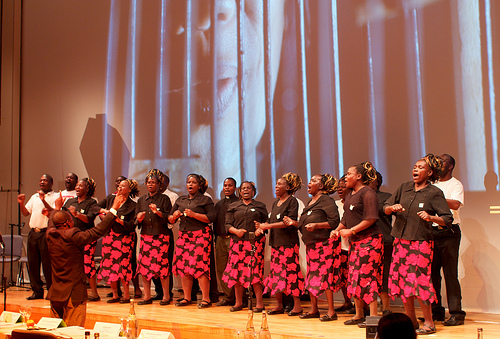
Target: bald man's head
x,y
61,218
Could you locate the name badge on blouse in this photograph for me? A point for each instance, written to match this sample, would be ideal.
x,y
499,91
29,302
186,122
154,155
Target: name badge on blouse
x,y
252,209
421,205
278,216
309,213
351,207
122,217
82,211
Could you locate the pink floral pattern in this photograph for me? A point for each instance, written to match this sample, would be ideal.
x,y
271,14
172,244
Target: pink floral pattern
x,y
365,268
285,275
153,256
116,257
88,259
192,253
323,266
237,269
410,273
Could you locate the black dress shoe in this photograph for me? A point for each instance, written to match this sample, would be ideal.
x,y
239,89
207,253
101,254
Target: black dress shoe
x,y
326,317
92,298
157,297
354,321
124,301
183,302
113,301
163,303
294,314
271,312
351,310
236,308
35,296
453,321
224,302
258,309
145,302
204,304
110,294
308,315
434,318
344,308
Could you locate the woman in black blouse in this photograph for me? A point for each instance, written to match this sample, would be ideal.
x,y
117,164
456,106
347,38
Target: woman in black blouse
x,y
318,218
192,253
118,244
366,241
242,269
83,210
152,218
285,275
416,204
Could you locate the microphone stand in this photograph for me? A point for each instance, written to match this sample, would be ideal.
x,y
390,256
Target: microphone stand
x,y
251,237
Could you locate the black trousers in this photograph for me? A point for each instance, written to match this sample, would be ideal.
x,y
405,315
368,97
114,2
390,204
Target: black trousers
x,y
38,254
446,250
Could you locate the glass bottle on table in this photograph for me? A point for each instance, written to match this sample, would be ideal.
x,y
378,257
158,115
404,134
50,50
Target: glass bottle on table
x,y
264,327
133,324
249,330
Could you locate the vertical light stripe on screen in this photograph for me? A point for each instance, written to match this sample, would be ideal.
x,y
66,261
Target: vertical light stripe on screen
x,y
338,108
303,80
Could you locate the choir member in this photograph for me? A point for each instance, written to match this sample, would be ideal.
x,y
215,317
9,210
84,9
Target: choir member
x,y
246,255
192,253
318,218
152,218
416,205
366,241
118,244
285,275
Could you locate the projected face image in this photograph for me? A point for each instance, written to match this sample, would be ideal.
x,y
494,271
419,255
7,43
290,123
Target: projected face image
x,y
223,131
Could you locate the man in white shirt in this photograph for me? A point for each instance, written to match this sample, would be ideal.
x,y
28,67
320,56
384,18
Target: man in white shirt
x,y
70,184
446,248
38,253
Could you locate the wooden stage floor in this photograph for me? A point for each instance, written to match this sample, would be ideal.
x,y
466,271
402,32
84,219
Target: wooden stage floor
x,y
218,322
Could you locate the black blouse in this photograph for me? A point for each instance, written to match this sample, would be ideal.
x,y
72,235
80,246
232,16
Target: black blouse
x,y
408,224
242,216
323,210
362,205
126,213
153,224
201,204
284,236
220,212
86,207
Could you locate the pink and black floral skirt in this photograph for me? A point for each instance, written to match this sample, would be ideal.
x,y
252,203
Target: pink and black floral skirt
x,y
365,268
116,257
88,259
153,256
323,266
410,274
285,275
192,253
240,260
